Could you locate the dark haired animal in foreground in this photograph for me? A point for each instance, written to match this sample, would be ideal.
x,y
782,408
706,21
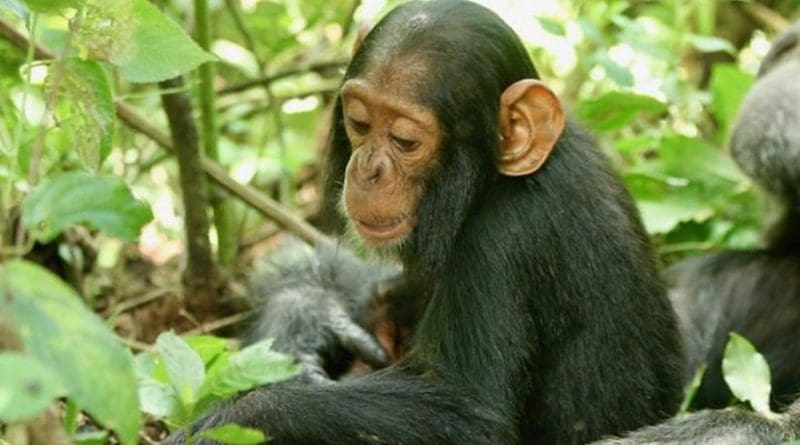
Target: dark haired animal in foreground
x,y
755,293
546,321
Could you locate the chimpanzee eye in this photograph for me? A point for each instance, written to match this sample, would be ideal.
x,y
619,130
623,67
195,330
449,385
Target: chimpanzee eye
x,y
359,126
403,144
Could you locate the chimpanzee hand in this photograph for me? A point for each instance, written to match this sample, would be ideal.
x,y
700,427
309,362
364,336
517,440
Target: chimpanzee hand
x,y
314,308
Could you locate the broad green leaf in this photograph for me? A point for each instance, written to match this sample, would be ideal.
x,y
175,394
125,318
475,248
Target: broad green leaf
x,y
253,366
233,434
184,367
159,50
663,216
52,5
747,373
57,329
26,387
209,347
157,398
104,29
691,389
665,201
708,44
617,109
619,74
91,438
694,158
86,110
143,365
729,86
552,26
102,202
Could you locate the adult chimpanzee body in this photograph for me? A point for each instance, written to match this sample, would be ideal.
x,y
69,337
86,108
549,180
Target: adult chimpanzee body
x,y
546,321
754,292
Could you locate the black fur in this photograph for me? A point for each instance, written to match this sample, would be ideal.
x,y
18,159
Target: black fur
x,y
316,302
547,322
733,426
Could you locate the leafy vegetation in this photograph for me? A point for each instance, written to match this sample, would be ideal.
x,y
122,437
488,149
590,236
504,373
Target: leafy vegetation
x,y
90,189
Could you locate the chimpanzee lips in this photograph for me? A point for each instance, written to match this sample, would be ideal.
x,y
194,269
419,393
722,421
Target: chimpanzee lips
x,y
383,231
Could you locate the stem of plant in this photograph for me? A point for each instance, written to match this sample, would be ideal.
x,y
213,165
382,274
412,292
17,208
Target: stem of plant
x,y
223,211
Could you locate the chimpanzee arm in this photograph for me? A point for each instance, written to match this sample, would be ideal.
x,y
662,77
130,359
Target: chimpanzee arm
x,y
314,304
381,408
733,426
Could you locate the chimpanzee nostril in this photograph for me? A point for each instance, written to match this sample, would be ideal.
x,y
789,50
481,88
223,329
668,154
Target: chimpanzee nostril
x,y
375,174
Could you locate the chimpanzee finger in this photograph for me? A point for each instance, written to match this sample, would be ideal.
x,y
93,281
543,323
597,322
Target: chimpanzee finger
x,y
357,340
312,369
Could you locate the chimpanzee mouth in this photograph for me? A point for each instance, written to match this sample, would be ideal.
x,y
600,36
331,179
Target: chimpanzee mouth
x,y
379,232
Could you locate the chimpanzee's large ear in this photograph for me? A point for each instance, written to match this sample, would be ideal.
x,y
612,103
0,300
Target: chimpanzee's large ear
x,y
531,121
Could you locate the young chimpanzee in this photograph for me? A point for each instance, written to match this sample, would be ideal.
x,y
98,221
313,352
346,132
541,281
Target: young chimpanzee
x,y
546,321
754,292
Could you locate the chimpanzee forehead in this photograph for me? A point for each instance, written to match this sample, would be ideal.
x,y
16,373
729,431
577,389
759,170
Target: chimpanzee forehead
x,y
399,97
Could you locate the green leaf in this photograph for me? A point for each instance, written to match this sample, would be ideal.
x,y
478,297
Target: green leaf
x,y
209,347
619,74
103,29
157,398
233,434
706,44
747,373
86,110
57,329
683,179
691,390
52,6
184,366
552,26
251,367
617,109
159,50
26,387
102,202
92,438
696,159
729,86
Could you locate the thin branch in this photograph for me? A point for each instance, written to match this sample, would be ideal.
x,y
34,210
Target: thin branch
x,y
216,172
218,324
313,67
136,345
148,297
765,16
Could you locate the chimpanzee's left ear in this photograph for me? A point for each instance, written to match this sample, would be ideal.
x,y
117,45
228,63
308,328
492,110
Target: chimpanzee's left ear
x,y
531,121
